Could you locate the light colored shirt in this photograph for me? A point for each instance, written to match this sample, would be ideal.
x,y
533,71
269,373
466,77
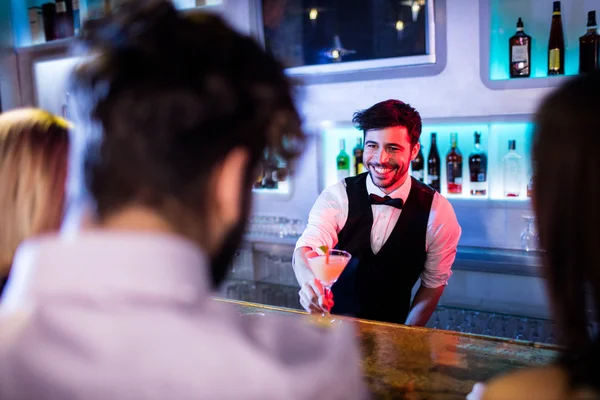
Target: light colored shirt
x,y
330,212
111,315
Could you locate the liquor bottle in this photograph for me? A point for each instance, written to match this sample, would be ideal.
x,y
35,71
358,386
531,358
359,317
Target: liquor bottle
x,y
359,167
281,171
258,183
95,9
530,187
512,163
433,164
454,164
36,24
49,16
76,18
478,168
418,166
108,7
64,18
343,162
556,43
270,171
589,47
520,53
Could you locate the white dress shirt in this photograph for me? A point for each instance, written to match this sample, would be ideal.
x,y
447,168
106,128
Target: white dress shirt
x,y
111,315
330,212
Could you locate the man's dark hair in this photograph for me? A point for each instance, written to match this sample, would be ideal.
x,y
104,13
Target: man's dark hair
x,y
565,199
388,114
167,97
162,100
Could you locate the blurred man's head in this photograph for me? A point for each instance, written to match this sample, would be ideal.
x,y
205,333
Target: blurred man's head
x,y
177,112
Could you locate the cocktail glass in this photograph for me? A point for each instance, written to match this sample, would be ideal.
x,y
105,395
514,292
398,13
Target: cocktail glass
x,y
328,268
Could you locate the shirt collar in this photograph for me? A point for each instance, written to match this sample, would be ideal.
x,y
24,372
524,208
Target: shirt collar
x,y
400,193
111,265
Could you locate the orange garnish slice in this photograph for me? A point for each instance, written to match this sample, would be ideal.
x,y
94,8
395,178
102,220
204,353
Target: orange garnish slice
x,y
325,250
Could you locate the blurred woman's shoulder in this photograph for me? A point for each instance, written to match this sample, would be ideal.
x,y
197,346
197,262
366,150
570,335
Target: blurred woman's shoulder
x,y
546,383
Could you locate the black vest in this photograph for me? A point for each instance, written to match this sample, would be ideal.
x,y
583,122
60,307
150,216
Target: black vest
x,y
378,286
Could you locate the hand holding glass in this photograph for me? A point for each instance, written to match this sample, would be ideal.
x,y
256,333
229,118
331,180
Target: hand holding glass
x,y
327,269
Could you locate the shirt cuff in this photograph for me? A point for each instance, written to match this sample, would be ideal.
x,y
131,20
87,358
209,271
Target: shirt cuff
x,y
433,282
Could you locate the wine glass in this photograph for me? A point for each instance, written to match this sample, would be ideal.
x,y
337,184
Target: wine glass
x,y
528,238
328,268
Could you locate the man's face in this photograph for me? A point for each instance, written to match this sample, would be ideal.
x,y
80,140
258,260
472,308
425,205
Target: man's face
x,y
387,156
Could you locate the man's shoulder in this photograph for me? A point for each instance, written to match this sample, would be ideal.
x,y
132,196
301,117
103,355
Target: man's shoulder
x,y
423,187
229,353
336,191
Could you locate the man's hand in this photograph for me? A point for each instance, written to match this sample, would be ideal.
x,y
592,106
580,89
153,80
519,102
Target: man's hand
x,y
313,299
311,292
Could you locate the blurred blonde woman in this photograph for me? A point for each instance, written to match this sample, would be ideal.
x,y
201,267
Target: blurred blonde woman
x,y
34,147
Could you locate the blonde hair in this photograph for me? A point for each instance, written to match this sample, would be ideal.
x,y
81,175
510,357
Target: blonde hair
x,y
34,146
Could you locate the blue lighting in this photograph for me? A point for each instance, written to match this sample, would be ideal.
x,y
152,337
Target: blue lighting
x,y
494,141
537,16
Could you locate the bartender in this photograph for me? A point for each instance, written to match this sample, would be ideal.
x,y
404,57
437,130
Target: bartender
x,y
396,228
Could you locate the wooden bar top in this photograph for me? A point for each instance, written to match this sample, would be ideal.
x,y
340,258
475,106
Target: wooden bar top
x,y
401,362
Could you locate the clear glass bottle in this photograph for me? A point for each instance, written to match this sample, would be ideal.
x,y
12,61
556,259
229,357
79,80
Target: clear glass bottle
x,y
513,166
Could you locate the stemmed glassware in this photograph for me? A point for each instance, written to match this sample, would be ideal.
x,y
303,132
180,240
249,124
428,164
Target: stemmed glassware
x,y
327,268
529,240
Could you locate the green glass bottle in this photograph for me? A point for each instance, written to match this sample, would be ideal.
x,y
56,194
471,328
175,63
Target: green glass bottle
x,y
343,162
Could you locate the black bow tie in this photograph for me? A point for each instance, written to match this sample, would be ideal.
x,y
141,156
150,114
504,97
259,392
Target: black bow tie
x,y
386,201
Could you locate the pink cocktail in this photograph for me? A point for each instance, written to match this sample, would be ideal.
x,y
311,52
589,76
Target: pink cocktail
x,y
328,269
328,273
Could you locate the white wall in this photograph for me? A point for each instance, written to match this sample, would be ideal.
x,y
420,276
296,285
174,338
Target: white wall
x,y
456,94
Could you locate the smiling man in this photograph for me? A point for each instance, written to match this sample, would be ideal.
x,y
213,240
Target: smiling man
x,y
396,228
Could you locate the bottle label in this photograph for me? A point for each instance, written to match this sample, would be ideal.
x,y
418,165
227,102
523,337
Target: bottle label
x,y
454,174
61,7
478,176
418,175
342,174
434,181
478,188
360,168
554,59
519,54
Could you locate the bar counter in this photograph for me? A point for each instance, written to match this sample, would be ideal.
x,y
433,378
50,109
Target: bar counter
x,y
401,362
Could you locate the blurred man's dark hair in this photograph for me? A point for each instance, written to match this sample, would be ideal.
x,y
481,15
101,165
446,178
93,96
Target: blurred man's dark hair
x,y
162,101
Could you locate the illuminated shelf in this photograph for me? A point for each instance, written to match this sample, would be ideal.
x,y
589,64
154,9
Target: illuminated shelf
x,y
497,23
22,34
283,191
494,140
